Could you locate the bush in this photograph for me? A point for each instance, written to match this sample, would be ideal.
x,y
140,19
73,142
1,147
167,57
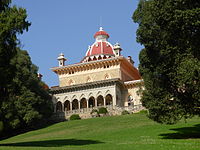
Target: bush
x,y
94,113
75,117
103,110
143,112
125,112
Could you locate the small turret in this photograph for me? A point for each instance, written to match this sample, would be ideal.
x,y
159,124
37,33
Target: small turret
x,y
61,59
117,49
130,60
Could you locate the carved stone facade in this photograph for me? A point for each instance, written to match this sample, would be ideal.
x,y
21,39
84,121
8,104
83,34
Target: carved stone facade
x,y
103,78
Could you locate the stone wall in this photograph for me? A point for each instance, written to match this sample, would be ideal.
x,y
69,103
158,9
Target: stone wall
x,y
89,76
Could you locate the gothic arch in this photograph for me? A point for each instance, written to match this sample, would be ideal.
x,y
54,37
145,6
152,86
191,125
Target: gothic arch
x,y
82,96
107,92
91,102
67,105
83,103
100,100
109,99
74,104
90,95
59,106
99,93
74,97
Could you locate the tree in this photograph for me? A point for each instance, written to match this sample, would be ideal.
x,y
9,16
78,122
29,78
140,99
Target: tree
x,y
23,101
170,59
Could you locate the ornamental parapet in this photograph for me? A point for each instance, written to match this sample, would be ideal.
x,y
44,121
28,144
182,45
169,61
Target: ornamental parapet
x,y
104,63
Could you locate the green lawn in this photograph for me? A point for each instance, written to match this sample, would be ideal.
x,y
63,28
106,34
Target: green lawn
x,y
128,132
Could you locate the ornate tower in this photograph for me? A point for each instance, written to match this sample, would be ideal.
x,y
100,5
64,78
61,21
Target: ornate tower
x,y
61,60
117,49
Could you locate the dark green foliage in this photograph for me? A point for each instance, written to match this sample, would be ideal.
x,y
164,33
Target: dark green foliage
x,y
103,110
125,112
94,111
23,99
170,60
1,127
75,117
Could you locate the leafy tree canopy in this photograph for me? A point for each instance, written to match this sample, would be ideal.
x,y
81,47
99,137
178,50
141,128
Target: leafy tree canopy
x,y
170,60
23,99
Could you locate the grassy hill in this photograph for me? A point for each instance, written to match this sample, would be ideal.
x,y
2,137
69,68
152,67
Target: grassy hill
x,y
128,132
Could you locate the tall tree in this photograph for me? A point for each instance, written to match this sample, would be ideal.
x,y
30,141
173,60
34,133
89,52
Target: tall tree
x,y
12,22
170,59
23,99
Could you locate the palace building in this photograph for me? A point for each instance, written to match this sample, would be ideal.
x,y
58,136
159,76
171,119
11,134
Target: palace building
x,y
103,78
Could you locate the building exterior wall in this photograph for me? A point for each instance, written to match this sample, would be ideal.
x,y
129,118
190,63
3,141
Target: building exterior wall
x,y
134,95
90,76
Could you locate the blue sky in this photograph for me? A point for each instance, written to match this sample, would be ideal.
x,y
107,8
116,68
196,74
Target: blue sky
x,y
68,26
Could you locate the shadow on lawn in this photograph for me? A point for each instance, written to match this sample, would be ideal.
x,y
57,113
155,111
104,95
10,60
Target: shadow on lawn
x,y
183,133
53,143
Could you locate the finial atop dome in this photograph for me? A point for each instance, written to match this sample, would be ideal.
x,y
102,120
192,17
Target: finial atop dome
x,y
101,29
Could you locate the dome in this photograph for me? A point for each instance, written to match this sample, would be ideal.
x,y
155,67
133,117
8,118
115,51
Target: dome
x,y
101,48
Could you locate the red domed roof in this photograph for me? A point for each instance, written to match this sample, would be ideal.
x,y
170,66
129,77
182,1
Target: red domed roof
x,y
99,48
101,33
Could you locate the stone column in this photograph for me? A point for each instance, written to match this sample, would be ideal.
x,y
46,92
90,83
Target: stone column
x,y
104,101
70,105
95,101
63,107
87,103
114,100
79,105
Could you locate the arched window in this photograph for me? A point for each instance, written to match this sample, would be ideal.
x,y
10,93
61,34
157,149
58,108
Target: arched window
x,y
109,100
100,101
59,107
74,104
83,103
91,102
67,105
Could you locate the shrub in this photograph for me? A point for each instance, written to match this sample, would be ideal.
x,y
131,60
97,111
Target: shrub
x,y
125,112
103,110
94,113
75,117
143,112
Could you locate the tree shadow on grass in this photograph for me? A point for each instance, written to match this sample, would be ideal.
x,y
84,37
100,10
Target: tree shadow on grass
x,y
53,143
183,133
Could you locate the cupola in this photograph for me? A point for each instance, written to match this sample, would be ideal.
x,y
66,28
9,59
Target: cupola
x,y
101,48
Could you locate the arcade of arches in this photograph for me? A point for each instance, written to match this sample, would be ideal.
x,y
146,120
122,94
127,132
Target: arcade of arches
x,y
84,103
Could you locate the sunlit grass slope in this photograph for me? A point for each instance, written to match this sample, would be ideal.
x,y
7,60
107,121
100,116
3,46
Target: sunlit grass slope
x,y
128,132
